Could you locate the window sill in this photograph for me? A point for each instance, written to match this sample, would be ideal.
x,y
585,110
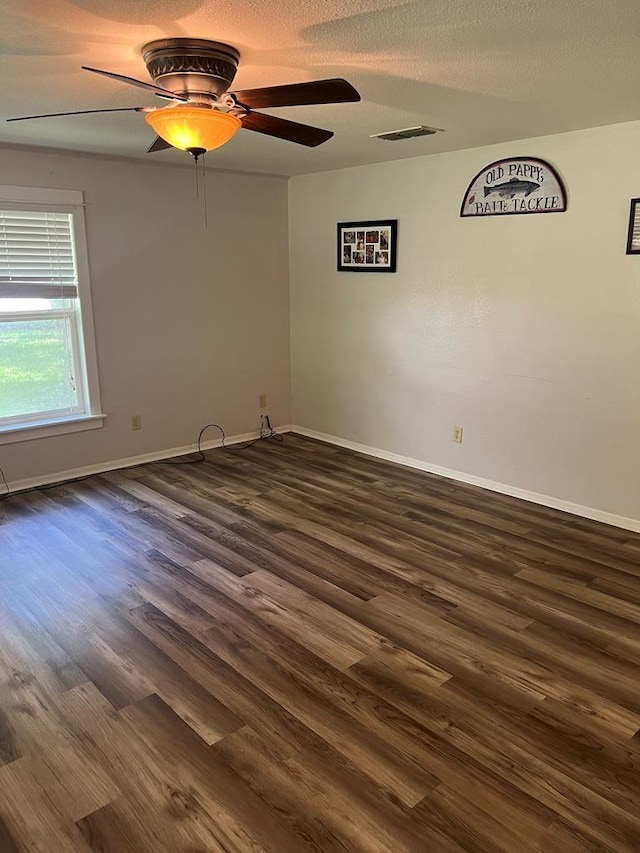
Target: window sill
x,y
43,429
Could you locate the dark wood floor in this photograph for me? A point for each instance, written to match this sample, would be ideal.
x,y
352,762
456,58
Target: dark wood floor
x,y
294,647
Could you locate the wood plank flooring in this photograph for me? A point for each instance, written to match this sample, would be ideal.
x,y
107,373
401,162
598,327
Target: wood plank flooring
x,y
295,648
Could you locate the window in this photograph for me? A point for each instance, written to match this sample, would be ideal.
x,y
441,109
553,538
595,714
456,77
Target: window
x,y
48,376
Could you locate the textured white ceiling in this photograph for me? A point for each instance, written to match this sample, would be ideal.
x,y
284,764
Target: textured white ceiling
x,y
483,70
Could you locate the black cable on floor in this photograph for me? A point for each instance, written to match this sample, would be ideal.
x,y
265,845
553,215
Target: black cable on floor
x,y
199,450
267,433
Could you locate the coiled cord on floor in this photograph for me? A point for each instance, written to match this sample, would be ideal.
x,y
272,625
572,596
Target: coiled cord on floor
x,y
267,433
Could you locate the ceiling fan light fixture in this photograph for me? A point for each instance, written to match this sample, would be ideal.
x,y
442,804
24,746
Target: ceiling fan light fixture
x,y
193,128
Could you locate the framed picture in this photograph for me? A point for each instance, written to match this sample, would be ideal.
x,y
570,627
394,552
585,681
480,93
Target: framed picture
x,y
367,246
633,237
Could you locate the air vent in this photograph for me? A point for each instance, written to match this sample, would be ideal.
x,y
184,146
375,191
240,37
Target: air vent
x,y
407,133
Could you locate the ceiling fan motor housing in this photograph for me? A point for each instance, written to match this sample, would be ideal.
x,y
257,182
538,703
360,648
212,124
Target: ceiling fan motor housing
x,y
199,68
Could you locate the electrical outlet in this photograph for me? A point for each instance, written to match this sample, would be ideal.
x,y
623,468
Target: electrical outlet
x,y
457,434
136,422
262,401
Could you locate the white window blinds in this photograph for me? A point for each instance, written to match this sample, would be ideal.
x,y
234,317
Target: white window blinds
x,y
37,255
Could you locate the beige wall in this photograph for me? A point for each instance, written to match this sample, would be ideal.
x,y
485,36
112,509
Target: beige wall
x,y
525,330
192,324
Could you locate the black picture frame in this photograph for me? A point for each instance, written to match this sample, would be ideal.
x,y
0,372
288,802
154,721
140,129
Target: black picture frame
x,y
374,251
633,234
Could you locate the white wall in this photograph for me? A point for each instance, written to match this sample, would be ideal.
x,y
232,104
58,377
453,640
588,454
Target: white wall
x,y
192,324
525,330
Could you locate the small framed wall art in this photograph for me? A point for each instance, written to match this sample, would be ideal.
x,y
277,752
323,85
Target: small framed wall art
x,y
367,246
633,236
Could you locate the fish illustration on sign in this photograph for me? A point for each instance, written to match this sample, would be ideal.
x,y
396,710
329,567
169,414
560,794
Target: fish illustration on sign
x,y
512,188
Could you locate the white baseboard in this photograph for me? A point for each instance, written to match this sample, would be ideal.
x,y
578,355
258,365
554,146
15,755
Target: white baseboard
x,y
131,461
492,485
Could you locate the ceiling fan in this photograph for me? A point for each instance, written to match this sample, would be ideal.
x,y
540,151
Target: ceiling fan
x,y
195,75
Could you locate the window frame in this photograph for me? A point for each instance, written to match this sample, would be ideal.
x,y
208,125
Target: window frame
x,y
30,427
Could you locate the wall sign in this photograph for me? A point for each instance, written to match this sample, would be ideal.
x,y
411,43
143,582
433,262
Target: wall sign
x,y
515,185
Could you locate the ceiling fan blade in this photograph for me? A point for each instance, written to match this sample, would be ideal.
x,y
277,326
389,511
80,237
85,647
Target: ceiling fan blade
x,y
334,91
159,144
82,113
281,128
158,90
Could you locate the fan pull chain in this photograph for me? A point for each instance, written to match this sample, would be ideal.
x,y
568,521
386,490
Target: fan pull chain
x,y
204,188
197,153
